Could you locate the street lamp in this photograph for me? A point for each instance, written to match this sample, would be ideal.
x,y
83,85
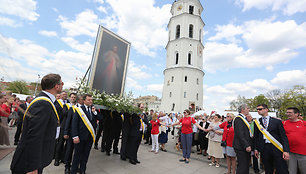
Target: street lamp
x,y
36,85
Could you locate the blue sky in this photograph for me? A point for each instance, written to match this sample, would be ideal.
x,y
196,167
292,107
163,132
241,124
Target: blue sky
x,y
251,46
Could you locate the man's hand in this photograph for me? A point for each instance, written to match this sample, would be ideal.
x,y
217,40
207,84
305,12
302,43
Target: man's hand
x,y
256,153
286,155
248,149
33,172
66,136
76,140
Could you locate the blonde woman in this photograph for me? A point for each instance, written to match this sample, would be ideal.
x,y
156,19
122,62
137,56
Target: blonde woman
x,y
214,141
155,132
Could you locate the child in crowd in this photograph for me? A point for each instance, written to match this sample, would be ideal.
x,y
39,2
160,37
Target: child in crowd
x,y
155,132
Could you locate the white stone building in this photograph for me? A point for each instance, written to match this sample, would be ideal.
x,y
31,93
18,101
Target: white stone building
x,y
183,76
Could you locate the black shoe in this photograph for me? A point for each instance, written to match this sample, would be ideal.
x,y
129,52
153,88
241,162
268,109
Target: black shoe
x,y
132,162
146,142
56,163
83,172
16,143
137,161
150,143
102,150
67,170
96,147
123,158
107,153
116,152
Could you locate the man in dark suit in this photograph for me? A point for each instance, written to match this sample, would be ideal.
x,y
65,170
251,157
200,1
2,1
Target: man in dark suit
x,y
83,134
21,110
242,140
272,157
135,136
36,146
67,130
62,110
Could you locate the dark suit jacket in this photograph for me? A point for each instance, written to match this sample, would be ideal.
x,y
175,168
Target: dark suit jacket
x,y
276,129
78,127
37,144
242,138
134,125
20,112
68,122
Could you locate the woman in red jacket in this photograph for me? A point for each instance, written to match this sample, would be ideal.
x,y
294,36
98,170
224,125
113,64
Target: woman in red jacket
x,y
227,142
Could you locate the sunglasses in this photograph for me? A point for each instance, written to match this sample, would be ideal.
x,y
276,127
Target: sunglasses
x,y
184,112
259,109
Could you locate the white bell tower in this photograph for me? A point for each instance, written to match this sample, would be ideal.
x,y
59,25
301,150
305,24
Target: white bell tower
x,y
183,76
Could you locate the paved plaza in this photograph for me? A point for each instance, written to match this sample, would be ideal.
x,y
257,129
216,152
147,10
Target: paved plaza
x,y
163,162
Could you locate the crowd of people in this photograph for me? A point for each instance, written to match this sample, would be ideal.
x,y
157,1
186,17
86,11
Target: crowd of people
x,y
55,125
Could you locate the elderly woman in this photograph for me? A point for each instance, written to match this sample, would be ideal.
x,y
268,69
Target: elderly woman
x,y
214,141
202,136
186,134
227,142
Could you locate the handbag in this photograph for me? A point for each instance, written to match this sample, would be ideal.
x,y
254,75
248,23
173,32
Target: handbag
x,y
223,143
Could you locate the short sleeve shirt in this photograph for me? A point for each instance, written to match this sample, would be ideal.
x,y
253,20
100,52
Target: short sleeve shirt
x,y
186,124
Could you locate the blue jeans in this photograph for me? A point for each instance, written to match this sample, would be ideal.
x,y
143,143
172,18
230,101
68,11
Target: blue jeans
x,y
186,141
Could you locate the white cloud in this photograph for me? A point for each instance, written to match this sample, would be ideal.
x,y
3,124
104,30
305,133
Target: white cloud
x,y
25,59
85,23
133,84
102,9
288,7
267,42
287,79
155,88
142,23
85,47
23,8
8,22
218,97
137,71
48,33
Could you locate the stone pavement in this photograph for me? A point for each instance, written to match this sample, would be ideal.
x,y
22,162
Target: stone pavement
x,y
163,162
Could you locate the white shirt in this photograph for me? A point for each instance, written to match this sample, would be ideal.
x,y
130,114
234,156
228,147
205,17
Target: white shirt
x,y
51,96
268,119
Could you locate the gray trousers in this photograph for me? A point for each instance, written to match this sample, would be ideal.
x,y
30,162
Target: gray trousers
x,y
297,161
186,141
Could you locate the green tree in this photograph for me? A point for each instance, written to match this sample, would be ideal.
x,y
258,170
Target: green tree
x,y
260,99
19,87
295,97
275,97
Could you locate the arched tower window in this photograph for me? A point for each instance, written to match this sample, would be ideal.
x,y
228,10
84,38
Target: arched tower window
x,y
170,95
189,58
185,78
200,37
173,106
197,81
178,31
190,31
191,8
172,78
197,96
185,94
176,58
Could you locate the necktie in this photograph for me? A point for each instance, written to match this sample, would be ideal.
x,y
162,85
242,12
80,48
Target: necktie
x,y
265,122
90,116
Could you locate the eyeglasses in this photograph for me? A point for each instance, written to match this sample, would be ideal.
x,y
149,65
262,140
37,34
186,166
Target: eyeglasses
x,y
259,109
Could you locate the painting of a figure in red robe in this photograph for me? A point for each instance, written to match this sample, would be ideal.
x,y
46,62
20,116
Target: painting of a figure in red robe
x,y
109,63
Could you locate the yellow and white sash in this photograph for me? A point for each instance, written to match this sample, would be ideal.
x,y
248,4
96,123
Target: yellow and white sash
x,y
68,105
246,123
46,99
86,122
60,102
269,136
